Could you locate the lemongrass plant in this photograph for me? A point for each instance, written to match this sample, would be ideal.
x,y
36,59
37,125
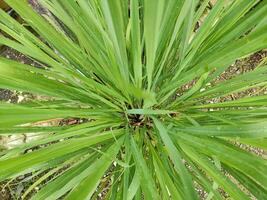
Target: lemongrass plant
x,y
141,74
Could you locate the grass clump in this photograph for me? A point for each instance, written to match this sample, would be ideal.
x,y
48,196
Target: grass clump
x,y
135,79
